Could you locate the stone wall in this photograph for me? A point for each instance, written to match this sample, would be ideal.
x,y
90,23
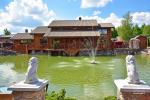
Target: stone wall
x,y
133,96
6,96
29,95
125,51
128,91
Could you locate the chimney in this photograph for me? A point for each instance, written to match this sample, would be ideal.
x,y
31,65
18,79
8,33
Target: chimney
x,y
80,18
26,30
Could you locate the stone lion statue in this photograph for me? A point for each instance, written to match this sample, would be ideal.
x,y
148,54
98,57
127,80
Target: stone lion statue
x,y
132,75
31,76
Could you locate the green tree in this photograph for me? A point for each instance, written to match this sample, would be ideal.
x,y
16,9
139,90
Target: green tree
x,y
6,32
136,30
142,27
114,33
146,30
125,30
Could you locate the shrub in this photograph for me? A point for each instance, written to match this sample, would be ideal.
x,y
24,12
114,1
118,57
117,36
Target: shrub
x,y
110,98
58,96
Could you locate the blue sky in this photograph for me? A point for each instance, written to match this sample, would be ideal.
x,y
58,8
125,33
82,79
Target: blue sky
x,y
16,15
72,8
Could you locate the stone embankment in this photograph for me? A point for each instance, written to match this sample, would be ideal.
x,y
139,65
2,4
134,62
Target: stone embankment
x,y
7,52
146,51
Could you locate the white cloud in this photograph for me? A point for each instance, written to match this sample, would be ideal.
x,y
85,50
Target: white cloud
x,y
96,12
112,18
94,3
21,14
141,17
137,18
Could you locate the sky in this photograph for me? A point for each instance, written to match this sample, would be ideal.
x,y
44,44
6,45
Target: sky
x,y
18,15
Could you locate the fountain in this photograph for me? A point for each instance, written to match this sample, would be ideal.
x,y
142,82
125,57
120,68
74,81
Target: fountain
x,y
89,44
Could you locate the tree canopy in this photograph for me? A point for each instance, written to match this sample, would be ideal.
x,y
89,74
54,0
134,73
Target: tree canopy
x,y
146,30
125,30
136,30
114,33
128,30
6,32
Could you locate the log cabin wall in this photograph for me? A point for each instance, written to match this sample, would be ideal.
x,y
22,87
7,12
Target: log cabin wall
x,y
72,42
49,44
70,45
78,42
5,42
109,36
34,44
143,41
37,45
105,40
21,47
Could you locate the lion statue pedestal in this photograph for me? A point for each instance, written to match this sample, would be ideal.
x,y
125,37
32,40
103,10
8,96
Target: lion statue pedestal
x,y
132,88
31,88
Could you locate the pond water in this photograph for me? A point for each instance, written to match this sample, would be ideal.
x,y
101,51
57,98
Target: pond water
x,y
81,79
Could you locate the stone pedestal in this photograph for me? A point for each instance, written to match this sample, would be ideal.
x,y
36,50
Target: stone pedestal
x,y
36,91
127,91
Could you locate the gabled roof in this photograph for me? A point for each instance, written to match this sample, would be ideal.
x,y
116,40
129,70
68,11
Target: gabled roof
x,y
71,33
63,23
40,30
105,25
138,36
19,36
6,36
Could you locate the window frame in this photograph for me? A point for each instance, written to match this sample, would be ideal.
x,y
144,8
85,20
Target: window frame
x,y
103,31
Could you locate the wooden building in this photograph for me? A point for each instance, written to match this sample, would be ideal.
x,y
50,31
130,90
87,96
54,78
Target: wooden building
x,y
22,41
143,41
6,42
138,42
67,37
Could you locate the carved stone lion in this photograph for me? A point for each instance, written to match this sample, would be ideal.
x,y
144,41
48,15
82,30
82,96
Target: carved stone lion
x,y
31,76
132,75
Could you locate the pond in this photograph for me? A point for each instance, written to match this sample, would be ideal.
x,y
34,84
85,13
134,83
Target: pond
x,y
81,79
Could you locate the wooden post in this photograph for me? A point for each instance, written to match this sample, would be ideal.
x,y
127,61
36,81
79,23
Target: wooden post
x,y
26,49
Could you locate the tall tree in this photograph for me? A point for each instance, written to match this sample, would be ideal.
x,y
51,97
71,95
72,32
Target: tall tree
x,y
6,32
114,33
125,30
146,30
136,30
142,27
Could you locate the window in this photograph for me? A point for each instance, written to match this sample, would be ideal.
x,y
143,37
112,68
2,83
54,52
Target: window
x,y
103,31
43,41
25,41
56,43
